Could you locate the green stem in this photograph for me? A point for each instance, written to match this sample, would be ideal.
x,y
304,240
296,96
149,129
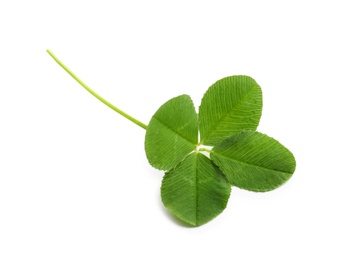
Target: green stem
x,y
132,119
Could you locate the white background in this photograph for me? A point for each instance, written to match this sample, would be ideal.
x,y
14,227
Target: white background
x,y
74,179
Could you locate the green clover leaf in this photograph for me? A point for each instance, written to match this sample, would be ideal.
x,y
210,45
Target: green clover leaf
x,y
230,105
196,190
172,133
254,161
196,187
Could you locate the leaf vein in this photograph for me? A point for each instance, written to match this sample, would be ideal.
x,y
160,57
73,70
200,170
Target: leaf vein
x,y
228,114
257,166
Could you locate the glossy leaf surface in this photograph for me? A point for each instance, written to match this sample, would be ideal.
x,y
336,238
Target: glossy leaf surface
x,y
172,133
254,161
195,191
230,105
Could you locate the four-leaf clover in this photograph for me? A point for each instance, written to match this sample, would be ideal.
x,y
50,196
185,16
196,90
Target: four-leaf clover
x,y
204,154
196,187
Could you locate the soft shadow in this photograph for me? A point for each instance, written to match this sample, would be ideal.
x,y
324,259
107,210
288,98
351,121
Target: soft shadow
x,y
176,220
